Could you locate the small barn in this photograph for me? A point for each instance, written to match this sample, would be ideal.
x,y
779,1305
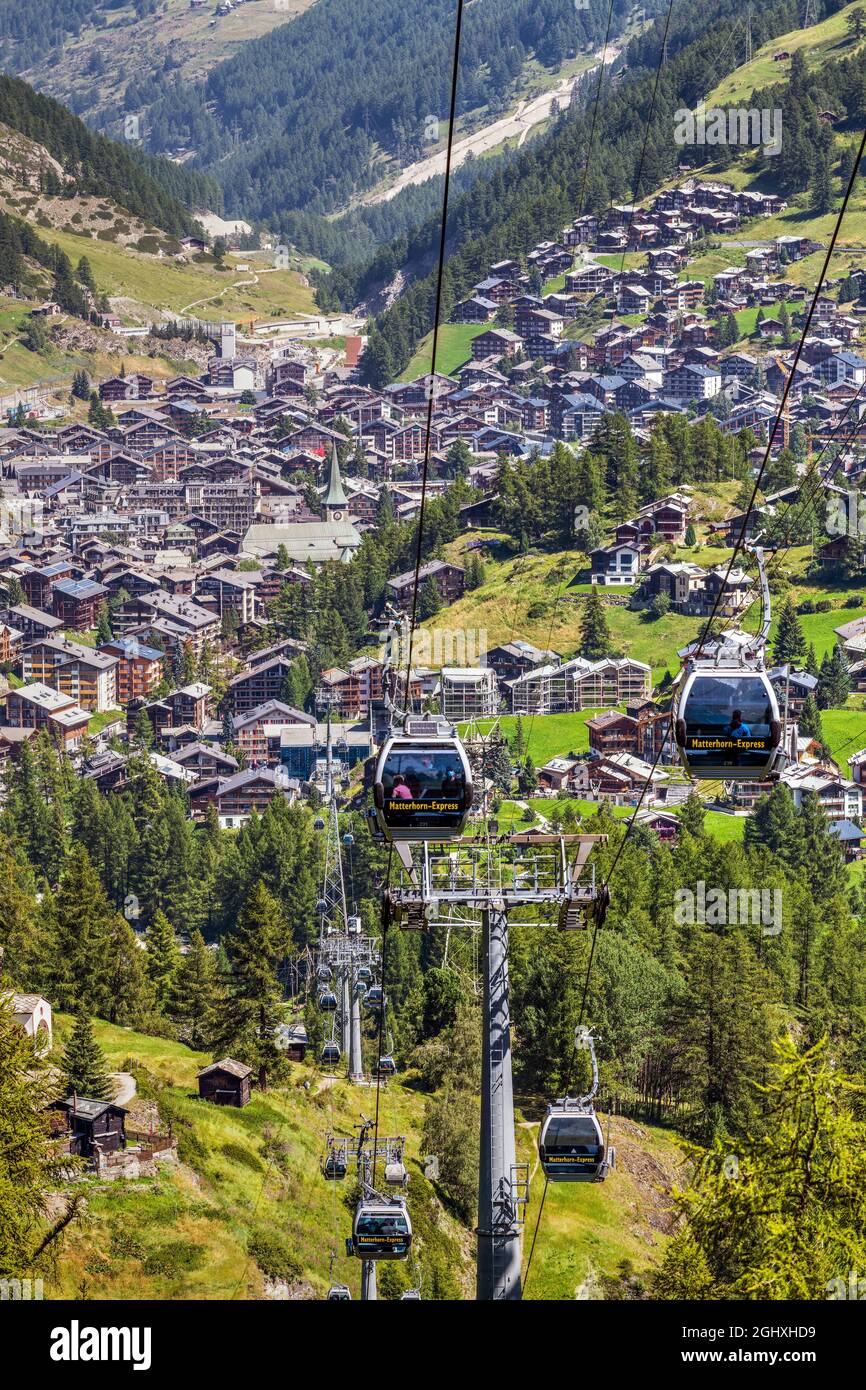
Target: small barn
x,y
225,1083
93,1125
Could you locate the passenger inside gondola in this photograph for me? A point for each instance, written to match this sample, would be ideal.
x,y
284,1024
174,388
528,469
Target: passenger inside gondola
x,y
728,723
415,784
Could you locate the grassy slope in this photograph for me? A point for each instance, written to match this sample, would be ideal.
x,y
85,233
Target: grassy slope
x,y
453,349
822,42
588,1229
172,285
137,1238
219,1197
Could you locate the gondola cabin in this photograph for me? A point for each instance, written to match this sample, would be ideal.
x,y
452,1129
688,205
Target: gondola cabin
x,y
374,999
386,1066
382,1230
727,725
330,1054
571,1146
327,1001
423,785
339,1293
334,1165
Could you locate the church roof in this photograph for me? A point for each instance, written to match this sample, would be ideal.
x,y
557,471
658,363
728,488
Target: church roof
x,y
335,495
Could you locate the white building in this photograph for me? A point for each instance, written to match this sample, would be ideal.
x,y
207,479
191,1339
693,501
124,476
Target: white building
x,y
33,1013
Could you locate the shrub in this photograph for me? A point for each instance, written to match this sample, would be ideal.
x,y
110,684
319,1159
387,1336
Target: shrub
x,y
537,610
238,1154
273,1256
853,601
174,1258
807,606
823,606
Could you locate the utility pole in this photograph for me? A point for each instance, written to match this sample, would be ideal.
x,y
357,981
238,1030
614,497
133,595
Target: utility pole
x,y
748,35
498,1227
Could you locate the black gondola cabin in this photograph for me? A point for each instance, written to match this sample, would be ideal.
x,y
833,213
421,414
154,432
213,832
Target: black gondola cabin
x,y
727,725
423,785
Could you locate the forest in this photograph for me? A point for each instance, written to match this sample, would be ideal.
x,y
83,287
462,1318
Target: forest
x,y
278,143
154,190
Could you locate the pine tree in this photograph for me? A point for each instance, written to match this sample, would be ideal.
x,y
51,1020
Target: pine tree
x,y
196,997
691,538
429,599
252,1012
809,722
790,644
821,182
142,730
163,958
31,1170
83,1065
103,624
475,573
726,1248
693,814
594,633
834,681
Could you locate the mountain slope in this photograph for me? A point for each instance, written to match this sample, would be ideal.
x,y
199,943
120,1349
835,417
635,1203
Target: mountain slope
x,y
95,164
541,190
247,1199
85,51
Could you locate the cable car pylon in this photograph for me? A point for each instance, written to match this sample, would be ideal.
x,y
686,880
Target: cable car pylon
x,y
344,955
457,880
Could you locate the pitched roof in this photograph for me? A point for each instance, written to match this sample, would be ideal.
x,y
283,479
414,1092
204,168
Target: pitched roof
x,y
238,1069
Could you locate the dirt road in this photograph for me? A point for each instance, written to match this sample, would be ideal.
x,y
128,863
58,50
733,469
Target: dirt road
x,y
519,124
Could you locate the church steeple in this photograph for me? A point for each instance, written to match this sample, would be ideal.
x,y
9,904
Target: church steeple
x,y
336,501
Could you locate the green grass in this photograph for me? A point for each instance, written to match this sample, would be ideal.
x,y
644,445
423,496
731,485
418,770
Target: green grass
x,y
588,1229
821,42
185,1233
99,721
747,318
548,735
453,349
541,584
723,827
844,734
171,285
